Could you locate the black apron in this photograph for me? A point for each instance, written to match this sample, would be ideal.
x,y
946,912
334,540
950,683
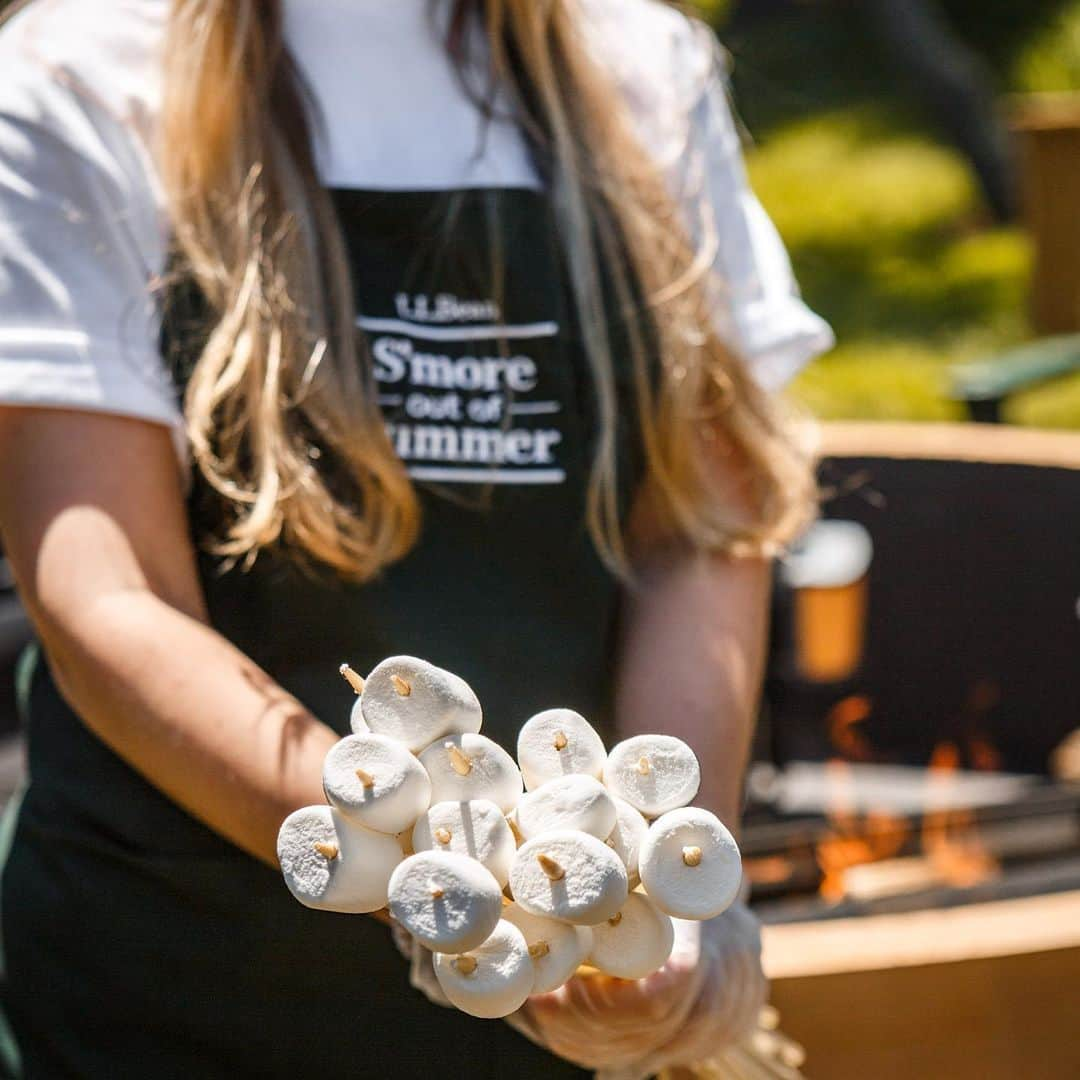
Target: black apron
x,y
137,942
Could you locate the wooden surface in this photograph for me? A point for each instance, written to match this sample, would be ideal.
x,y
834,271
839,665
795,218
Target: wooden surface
x,y
938,936
985,992
992,443
1003,1018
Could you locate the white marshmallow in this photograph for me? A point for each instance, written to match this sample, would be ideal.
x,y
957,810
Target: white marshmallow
x,y
558,742
467,767
654,773
556,948
625,839
477,829
491,980
416,702
690,864
448,902
333,864
570,802
634,942
569,876
377,782
357,724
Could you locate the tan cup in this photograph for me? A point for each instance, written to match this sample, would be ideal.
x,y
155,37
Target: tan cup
x,y
829,630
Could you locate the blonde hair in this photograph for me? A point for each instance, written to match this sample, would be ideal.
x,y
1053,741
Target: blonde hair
x,y
280,383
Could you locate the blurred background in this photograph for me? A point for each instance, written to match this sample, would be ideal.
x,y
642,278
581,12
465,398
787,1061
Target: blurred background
x,y
889,141
913,830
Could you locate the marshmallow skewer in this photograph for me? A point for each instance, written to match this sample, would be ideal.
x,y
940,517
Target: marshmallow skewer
x,y
634,942
569,876
376,781
653,773
467,766
477,829
558,742
416,703
491,980
568,802
625,839
557,948
333,864
448,902
690,864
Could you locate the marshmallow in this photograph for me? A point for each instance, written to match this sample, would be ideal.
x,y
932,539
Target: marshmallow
x,y
690,864
467,767
491,980
635,941
376,781
556,948
625,839
477,829
448,902
357,723
415,702
654,773
334,864
558,742
570,802
569,876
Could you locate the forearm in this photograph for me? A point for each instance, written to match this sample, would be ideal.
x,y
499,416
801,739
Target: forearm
x,y
691,661
191,713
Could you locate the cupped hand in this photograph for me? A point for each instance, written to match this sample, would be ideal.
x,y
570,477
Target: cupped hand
x,y
706,996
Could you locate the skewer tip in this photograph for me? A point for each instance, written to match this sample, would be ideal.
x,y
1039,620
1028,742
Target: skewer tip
x,y
691,855
402,686
643,766
442,835
539,949
327,851
352,678
560,740
464,965
365,778
461,763
550,867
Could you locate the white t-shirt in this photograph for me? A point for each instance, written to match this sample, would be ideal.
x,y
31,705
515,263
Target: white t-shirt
x,y
83,229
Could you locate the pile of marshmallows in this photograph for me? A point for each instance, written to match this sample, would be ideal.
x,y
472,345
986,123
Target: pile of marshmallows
x,y
428,817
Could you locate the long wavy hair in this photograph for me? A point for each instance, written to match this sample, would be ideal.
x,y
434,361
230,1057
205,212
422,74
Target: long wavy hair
x,y
284,379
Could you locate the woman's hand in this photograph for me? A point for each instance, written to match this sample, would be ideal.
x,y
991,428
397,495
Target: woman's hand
x,y
706,996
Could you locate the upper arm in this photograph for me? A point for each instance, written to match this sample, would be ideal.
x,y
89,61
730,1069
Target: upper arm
x,y
90,505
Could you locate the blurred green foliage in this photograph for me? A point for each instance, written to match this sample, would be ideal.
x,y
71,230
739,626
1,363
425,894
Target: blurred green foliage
x,y
883,221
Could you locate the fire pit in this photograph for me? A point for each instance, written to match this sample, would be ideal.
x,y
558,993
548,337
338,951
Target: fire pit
x,y
915,861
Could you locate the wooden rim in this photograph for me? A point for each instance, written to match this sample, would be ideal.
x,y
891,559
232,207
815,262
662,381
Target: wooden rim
x,y
939,936
990,443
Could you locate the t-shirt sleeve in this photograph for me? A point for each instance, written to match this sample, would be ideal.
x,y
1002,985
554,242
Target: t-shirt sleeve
x,y
755,298
80,248
674,76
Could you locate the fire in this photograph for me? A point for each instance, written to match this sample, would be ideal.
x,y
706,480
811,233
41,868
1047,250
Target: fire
x,y
950,836
853,839
863,851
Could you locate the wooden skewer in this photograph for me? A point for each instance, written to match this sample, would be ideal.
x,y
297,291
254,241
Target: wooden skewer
x,y
691,855
401,685
550,867
442,835
352,678
643,766
365,778
327,851
461,763
539,949
466,965
560,740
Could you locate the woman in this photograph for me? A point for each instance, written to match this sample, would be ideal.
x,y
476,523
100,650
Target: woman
x,y
534,465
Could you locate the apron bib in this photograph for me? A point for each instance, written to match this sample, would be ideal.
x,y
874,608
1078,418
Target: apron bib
x,y
139,943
